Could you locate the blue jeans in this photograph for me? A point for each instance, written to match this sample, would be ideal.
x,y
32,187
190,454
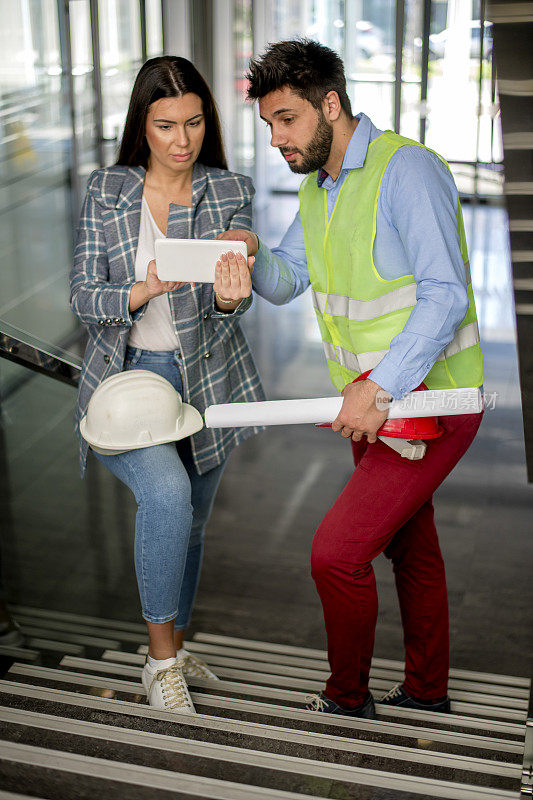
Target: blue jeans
x,y
174,504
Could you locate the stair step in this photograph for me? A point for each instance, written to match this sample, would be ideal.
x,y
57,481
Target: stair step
x,y
81,619
390,675
287,697
271,647
52,626
53,646
60,774
269,714
279,750
474,703
114,627
20,653
44,633
251,727
381,679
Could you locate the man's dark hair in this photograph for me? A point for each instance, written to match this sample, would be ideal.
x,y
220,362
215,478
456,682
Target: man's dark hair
x,y
309,68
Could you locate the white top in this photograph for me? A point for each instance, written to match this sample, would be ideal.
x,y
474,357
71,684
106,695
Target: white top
x,y
155,330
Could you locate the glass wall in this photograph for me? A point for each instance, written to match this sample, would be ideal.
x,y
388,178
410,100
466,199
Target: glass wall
x,y
51,134
449,101
56,110
35,159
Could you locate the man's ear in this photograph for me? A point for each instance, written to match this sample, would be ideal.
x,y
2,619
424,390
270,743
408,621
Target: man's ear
x,y
331,106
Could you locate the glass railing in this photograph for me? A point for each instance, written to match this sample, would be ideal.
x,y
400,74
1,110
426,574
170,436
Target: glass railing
x,y
17,346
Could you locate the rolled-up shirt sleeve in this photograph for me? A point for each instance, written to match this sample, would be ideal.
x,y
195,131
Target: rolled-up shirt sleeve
x,y
421,197
281,274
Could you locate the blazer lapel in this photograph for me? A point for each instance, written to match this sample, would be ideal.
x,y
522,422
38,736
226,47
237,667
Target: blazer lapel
x,y
181,219
127,215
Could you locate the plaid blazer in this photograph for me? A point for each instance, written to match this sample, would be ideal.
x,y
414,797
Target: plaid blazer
x,y
218,365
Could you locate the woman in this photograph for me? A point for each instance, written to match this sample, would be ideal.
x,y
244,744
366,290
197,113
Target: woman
x,y
170,179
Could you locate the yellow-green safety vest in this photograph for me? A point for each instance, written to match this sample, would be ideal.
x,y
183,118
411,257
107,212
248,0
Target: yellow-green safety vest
x,y
358,311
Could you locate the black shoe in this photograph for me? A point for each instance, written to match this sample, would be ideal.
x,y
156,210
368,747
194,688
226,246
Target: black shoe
x,y
321,703
399,697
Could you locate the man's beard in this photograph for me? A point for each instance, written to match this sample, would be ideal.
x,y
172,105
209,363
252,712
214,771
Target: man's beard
x,y
317,152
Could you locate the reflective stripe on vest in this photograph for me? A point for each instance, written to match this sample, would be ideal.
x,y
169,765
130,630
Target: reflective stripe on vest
x,y
464,338
339,305
360,310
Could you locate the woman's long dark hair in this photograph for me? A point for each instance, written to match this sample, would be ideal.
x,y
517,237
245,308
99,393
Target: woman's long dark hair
x,y
169,76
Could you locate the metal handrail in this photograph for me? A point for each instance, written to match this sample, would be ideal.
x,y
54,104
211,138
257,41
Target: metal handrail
x,y
39,356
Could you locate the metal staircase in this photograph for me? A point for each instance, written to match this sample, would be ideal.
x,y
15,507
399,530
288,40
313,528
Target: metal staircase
x,y
74,724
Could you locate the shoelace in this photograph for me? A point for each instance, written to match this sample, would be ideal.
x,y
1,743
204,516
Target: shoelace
x,y
396,691
173,687
190,665
314,702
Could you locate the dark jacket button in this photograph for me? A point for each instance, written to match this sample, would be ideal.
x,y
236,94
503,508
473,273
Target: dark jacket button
x,y
107,359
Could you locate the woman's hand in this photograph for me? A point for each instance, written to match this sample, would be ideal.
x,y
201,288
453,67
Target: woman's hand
x,y
151,287
155,287
233,280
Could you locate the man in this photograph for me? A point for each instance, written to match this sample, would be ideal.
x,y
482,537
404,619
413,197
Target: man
x,y
379,236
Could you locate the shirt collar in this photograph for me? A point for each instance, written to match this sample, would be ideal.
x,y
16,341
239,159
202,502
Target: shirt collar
x,y
355,154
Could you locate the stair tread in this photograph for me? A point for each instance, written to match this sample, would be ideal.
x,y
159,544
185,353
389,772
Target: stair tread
x,y
316,653
516,707
289,697
251,708
271,733
55,729
250,644
253,720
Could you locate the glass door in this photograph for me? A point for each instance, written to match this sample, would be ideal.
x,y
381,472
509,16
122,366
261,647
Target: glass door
x,y
369,58
461,102
51,126
35,161
120,60
289,19
421,67
84,101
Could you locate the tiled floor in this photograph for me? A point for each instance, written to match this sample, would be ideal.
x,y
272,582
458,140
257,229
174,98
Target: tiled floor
x,y
68,545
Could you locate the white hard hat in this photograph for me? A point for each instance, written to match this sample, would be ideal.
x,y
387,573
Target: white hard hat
x,y
136,408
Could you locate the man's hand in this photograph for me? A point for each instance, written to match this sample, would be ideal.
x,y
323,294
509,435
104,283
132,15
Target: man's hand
x,y
240,235
359,415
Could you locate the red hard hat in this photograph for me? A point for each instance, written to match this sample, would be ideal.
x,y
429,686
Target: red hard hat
x,y
415,428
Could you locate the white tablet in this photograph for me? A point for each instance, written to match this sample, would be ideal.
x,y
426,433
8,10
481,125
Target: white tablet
x,y
191,260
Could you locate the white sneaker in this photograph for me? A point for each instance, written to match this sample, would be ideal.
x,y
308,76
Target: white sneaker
x,y
166,689
193,667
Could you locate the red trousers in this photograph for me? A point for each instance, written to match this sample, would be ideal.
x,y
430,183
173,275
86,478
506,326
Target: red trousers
x,y
386,507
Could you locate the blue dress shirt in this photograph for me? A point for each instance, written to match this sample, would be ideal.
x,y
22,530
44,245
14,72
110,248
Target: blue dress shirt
x,y
416,234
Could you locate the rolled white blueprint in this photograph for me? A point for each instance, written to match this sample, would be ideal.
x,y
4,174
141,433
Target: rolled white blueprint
x,y
430,403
